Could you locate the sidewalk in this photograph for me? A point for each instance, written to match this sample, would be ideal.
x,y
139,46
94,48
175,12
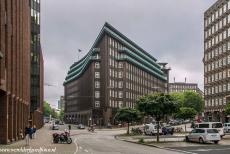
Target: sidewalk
x,y
43,141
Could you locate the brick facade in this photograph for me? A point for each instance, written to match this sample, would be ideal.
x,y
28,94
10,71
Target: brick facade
x,y
14,68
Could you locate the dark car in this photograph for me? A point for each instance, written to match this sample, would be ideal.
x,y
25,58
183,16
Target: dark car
x,y
167,130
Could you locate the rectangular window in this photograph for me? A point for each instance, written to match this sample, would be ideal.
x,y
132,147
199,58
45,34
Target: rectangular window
x,y
120,84
120,74
97,84
97,65
97,94
120,94
97,75
97,103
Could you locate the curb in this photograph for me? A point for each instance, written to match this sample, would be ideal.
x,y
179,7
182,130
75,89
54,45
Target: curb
x,y
159,147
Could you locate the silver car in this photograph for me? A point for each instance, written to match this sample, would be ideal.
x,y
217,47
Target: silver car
x,y
203,135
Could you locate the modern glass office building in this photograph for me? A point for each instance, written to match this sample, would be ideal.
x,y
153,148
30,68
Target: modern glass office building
x,y
113,74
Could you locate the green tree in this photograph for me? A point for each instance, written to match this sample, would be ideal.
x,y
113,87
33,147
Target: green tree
x,y
47,109
54,114
186,113
178,97
193,100
227,109
128,115
157,105
61,115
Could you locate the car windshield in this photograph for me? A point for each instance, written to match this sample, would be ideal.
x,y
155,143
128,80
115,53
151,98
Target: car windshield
x,y
203,125
217,125
212,131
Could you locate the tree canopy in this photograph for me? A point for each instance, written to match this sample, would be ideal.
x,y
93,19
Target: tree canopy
x,y
47,109
128,115
157,105
186,113
227,109
193,100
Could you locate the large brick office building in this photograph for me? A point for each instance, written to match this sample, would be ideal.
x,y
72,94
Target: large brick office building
x,y
216,59
113,74
15,68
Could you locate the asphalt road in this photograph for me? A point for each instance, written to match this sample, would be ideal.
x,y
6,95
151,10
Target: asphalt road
x,y
103,142
209,149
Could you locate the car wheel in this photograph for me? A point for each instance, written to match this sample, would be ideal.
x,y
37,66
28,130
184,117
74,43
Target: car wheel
x,y
216,142
186,139
201,140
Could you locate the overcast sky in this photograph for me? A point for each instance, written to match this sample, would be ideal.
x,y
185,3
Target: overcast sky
x,y
170,30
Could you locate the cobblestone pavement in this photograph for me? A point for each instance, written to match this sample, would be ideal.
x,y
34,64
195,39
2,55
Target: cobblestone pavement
x,y
43,141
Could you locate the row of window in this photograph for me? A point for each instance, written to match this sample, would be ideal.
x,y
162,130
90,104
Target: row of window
x,y
218,26
217,51
115,94
181,90
115,64
215,102
115,104
217,14
217,39
217,89
183,86
217,64
115,74
217,76
115,84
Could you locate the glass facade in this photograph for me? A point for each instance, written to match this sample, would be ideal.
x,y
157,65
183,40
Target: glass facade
x,y
35,54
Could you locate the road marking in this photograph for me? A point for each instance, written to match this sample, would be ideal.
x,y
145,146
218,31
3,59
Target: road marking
x,y
75,141
210,149
80,147
86,150
179,151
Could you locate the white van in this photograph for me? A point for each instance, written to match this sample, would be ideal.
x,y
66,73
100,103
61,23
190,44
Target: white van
x,y
151,129
216,125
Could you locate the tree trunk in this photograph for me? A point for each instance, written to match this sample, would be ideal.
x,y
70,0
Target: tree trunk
x,y
158,125
185,128
128,128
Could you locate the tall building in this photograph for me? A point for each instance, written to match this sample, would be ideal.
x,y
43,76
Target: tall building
x,y
37,85
184,86
14,68
113,74
61,103
216,59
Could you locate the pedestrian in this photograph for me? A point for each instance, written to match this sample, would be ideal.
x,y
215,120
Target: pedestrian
x,y
34,131
27,134
69,128
21,134
31,132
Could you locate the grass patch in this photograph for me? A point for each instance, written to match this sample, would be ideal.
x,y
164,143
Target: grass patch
x,y
141,141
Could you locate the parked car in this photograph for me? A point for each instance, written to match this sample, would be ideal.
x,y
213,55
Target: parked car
x,y
55,127
81,126
226,127
216,125
203,135
151,129
167,130
61,123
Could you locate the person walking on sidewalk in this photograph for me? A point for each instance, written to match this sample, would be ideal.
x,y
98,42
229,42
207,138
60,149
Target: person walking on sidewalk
x,y
69,128
34,131
27,134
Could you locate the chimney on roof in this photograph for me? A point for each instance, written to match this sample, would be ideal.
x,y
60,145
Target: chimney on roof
x,y
185,79
174,79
